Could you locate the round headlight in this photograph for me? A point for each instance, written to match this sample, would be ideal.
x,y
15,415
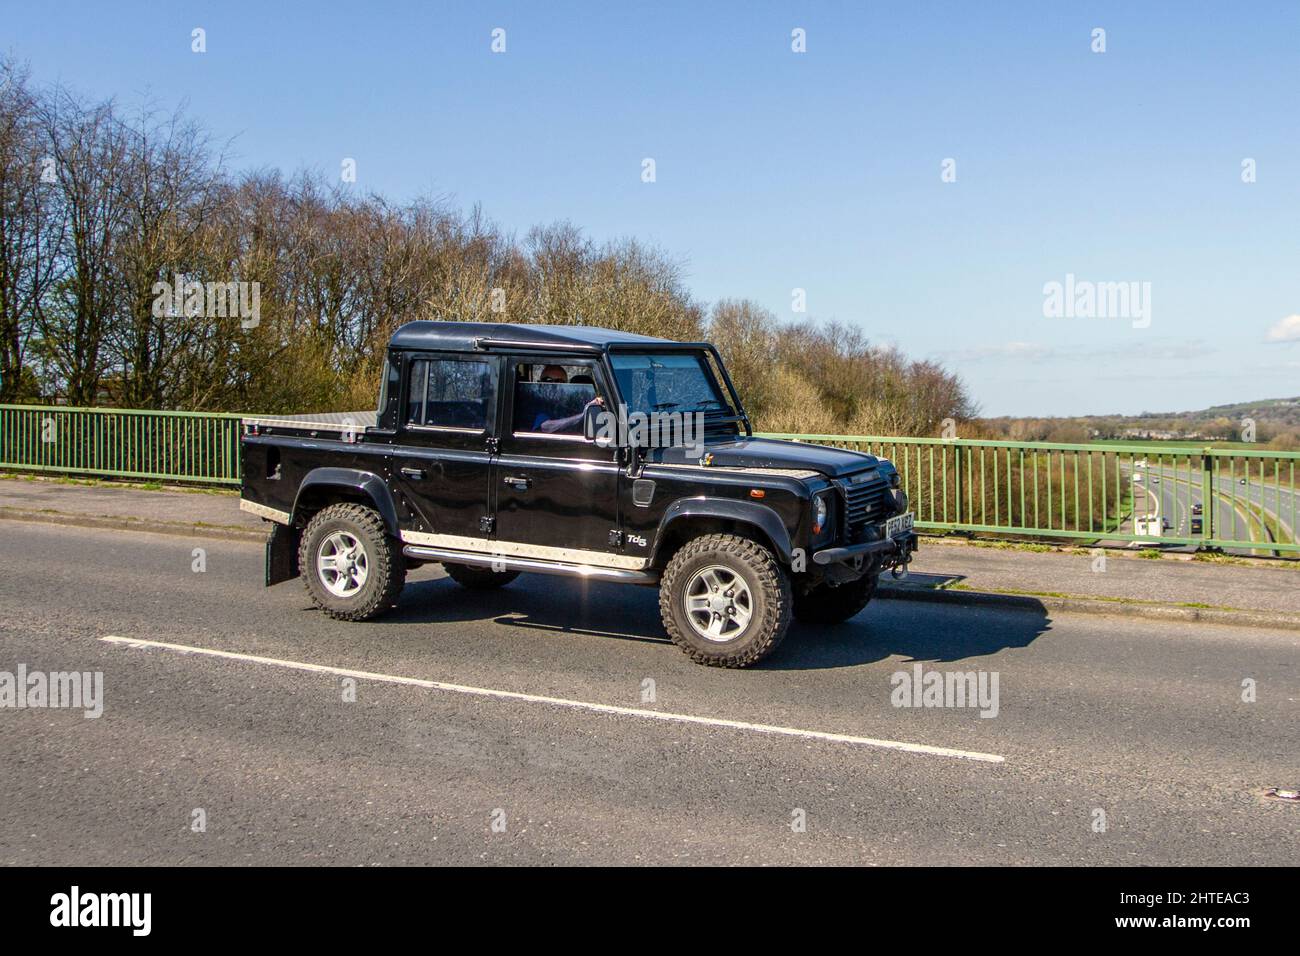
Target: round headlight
x,y
820,511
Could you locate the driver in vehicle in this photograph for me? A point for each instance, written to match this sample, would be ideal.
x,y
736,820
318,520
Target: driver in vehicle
x,y
556,375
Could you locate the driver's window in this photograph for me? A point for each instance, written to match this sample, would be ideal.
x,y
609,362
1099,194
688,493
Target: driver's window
x,y
550,397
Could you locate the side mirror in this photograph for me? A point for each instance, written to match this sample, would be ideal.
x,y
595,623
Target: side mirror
x,y
592,430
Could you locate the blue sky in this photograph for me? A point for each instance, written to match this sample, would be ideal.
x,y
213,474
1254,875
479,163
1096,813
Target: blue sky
x,y
821,170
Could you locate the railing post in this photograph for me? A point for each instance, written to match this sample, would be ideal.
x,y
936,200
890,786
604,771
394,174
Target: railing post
x,y
1207,494
956,455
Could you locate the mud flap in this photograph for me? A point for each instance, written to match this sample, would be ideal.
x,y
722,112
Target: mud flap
x,y
282,554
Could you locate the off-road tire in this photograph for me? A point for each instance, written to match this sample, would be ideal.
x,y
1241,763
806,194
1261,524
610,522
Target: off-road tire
x,y
828,605
385,571
478,579
769,587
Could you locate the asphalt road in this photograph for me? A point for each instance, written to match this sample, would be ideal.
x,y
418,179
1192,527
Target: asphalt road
x,y
1140,720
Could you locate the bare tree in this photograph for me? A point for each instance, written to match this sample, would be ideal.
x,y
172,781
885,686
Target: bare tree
x,y
171,195
746,335
30,229
91,166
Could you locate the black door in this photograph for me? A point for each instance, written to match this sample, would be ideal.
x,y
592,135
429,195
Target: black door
x,y
556,493
443,463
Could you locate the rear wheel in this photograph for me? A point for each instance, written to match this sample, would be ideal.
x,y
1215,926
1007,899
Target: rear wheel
x,y
352,568
725,600
479,579
827,605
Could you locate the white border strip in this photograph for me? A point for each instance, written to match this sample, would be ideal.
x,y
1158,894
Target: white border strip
x,y
564,702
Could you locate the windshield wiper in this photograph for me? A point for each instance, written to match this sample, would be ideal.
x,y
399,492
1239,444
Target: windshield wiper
x,y
699,408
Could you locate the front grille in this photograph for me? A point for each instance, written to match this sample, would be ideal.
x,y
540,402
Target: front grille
x,y
864,501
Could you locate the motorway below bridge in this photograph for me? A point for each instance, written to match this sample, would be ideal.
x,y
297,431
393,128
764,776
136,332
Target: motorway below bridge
x,y
1239,509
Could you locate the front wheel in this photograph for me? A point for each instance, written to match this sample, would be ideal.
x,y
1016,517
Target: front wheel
x,y
725,600
352,568
826,604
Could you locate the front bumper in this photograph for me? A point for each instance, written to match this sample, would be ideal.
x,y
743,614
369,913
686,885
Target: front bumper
x,y
900,548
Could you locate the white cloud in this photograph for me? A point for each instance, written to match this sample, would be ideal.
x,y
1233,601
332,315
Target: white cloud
x,y
1285,330
1005,350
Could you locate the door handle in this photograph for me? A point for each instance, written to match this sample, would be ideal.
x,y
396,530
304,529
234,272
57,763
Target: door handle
x,y
519,484
414,473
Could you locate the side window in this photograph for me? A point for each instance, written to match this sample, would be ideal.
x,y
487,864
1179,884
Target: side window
x,y
450,393
550,398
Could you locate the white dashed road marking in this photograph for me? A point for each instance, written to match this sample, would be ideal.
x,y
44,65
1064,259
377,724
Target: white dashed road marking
x,y
564,702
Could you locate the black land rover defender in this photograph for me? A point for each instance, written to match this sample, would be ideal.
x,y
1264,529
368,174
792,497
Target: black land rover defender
x,y
490,453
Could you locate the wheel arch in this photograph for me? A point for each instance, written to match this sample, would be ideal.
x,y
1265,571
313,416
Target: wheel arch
x,y
689,518
326,486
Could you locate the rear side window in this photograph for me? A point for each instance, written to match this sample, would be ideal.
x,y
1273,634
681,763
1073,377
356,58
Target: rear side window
x,y
450,393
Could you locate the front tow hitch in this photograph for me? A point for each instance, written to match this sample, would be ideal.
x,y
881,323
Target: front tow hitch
x,y
902,560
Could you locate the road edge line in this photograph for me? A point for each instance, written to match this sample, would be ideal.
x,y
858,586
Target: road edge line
x,y
146,525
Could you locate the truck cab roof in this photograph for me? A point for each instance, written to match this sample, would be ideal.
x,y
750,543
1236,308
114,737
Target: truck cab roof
x,y
481,336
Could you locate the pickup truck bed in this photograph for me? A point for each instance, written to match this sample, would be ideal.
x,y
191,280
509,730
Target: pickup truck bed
x,y
311,424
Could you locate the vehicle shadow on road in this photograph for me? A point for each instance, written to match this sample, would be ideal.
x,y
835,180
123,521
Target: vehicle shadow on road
x,y
541,603
927,580
914,630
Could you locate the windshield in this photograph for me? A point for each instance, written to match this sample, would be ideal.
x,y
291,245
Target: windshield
x,y
667,381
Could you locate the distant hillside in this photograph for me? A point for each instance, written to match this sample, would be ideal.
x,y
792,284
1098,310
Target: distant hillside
x,y
1282,411
1276,422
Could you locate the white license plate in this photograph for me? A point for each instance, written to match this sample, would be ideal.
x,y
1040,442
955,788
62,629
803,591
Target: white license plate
x,y
899,524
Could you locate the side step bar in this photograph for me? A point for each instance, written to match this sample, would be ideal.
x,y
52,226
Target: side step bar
x,y
532,565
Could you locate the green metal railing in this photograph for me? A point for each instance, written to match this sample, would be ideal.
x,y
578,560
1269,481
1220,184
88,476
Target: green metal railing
x,y
121,443
1236,498
1243,499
